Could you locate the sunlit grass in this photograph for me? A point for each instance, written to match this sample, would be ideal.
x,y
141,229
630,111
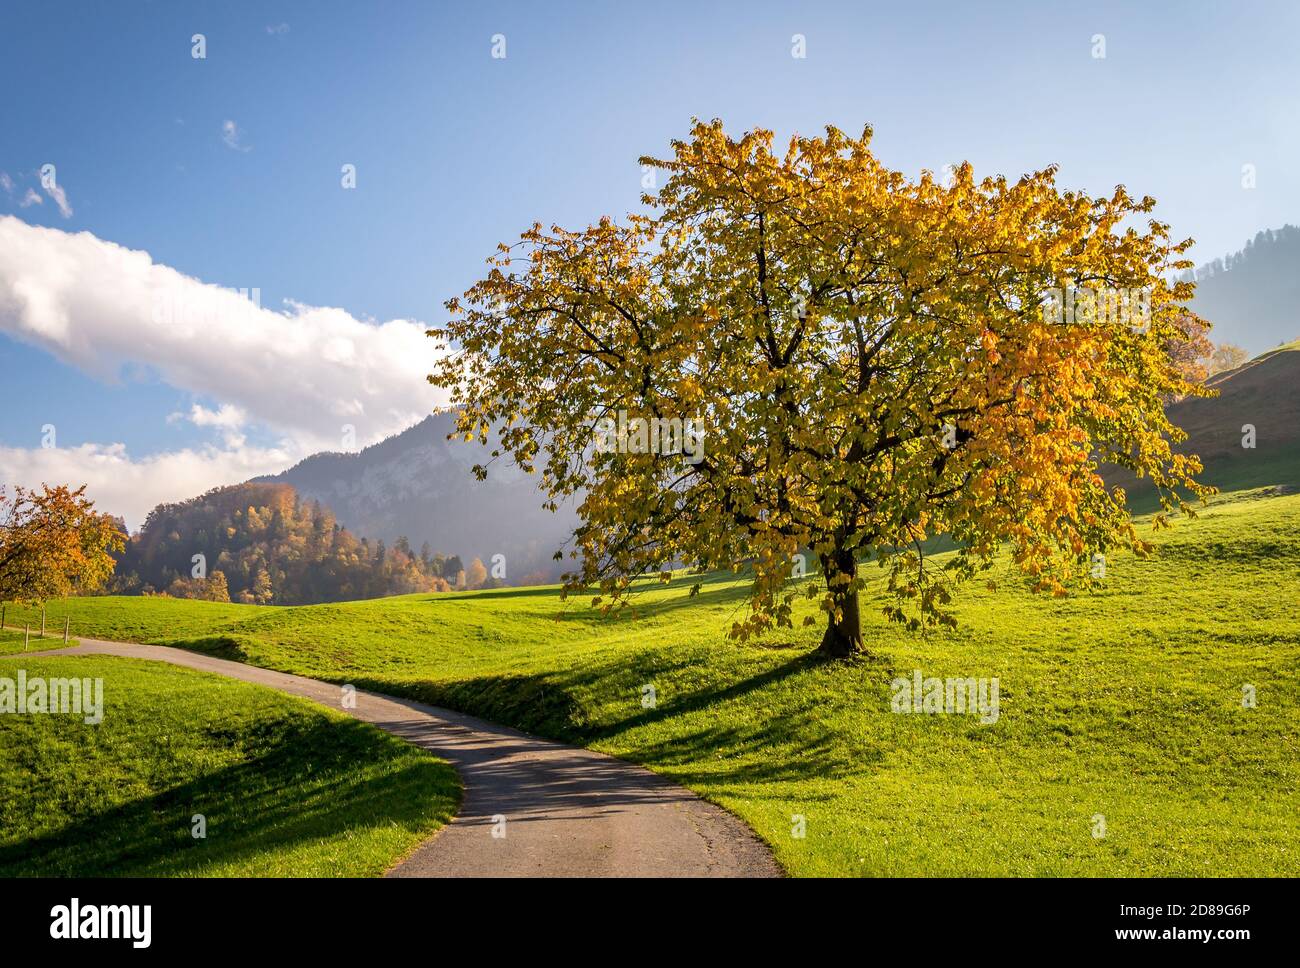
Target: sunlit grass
x,y
288,788
1125,703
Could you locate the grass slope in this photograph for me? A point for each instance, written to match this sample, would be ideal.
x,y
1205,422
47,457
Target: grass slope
x,y
1261,394
288,788
1125,703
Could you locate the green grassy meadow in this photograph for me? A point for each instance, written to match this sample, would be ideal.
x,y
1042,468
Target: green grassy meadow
x,y
1122,706
12,642
287,787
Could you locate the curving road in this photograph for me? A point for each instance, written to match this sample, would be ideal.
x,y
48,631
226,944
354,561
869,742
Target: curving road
x,y
532,807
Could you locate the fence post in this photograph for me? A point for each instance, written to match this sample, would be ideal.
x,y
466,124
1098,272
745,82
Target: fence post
x,y
2,618
42,621
66,621
27,634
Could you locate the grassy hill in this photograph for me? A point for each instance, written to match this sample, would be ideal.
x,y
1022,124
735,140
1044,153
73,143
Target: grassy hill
x,y
1261,393
1126,703
288,788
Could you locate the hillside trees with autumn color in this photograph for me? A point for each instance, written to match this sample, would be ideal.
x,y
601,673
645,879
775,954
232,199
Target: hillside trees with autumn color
x,y
260,544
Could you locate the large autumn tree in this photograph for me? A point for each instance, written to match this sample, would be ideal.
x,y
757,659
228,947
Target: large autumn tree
x,y
873,360
53,542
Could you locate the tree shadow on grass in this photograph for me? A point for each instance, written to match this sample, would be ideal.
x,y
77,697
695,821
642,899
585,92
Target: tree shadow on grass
x,y
217,646
772,754
756,748
703,699
716,588
305,788
796,745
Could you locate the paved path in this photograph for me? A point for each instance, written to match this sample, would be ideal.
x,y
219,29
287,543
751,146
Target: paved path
x,y
567,811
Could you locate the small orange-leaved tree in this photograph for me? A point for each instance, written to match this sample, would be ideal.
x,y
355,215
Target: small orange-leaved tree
x,y
53,542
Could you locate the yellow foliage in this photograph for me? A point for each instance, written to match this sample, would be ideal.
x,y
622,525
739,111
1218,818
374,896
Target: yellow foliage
x,y
871,359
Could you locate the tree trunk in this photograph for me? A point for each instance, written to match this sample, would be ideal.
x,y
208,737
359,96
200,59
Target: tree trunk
x,y
843,636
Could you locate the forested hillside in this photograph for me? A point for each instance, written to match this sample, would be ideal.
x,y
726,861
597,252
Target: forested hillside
x,y
419,484
262,544
1251,295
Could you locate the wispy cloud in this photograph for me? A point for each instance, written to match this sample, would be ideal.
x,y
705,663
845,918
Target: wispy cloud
x,y
277,28
31,196
233,136
55,191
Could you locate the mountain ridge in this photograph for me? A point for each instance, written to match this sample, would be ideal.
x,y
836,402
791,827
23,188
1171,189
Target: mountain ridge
x,y
1250,296
417,485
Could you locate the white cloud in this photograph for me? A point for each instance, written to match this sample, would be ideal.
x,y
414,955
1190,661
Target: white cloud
x,y
6,183
227,417
277,28
304,373
233,137
132,488
30,199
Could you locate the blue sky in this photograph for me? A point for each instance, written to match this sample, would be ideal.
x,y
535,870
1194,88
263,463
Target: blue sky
x,y
456,150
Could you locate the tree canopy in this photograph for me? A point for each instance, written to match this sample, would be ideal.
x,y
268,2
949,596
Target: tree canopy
x,y
53,542
871,361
